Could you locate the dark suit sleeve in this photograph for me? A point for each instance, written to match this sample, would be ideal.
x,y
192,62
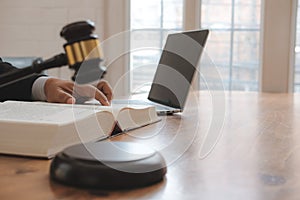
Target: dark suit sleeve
x,y
20,90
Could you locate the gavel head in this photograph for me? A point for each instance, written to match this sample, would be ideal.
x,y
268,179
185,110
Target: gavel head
x,y
83,51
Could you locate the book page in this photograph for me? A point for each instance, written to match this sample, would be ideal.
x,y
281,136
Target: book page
x,y
96,107
131,118
42,112
39,112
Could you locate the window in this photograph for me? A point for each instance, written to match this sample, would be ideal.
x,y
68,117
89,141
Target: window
x,y
234,41
150,22
297,54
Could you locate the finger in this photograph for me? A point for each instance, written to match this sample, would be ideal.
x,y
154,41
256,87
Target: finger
x,y
64,97
71,100
89,91
106,89
101,98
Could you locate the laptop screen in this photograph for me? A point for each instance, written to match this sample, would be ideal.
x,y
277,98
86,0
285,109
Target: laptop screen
x,y
177,67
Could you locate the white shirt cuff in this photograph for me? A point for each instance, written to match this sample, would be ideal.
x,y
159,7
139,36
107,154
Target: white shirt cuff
x,y
37,90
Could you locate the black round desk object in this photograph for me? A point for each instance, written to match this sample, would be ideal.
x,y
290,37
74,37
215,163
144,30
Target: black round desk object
x,y
108,165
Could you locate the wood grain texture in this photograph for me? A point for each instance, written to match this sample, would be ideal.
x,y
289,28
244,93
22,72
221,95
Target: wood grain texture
x,y
251,144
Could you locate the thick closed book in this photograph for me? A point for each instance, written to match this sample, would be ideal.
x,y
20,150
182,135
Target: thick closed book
x,y
43,129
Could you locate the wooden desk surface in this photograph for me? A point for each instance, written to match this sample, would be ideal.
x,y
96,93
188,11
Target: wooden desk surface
x,y
251,151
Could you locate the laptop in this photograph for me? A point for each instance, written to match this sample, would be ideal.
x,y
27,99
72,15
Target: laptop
x,y
175,72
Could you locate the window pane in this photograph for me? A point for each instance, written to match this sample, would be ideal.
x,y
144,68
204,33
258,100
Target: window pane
x,y
216,14
247,14
145,14
234,41
150,21
143,69
219,44
246,49
145,38
172,18
245,60
145,45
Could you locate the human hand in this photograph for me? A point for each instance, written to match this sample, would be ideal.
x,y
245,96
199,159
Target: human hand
x,y
63,91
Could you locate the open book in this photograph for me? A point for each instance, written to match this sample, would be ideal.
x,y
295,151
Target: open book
x,y
44,129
